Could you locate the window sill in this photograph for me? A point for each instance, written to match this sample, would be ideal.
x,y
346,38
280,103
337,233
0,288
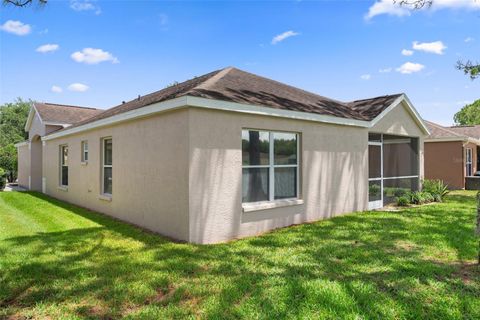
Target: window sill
x,y
62,188
105,197
83,163
256,206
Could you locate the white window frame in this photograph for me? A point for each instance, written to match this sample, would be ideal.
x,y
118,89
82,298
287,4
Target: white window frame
x,y
468,163
102,181
272,166
84,147
62,164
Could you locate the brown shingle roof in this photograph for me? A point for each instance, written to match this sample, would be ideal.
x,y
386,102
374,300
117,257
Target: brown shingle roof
x,y
234,85
64,114
439,132
471,131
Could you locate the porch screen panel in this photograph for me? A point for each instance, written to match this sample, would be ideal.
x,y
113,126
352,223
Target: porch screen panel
x,y
400,166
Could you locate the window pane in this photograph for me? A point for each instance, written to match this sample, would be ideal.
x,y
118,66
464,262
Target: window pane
x,y
400,156
285,148
85,156
107,152
255,184
285,183
374,190
64,176
64,155
255,147
393,188
374,161
107,180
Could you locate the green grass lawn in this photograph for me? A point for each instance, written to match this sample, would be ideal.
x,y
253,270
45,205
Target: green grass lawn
x,y
61,262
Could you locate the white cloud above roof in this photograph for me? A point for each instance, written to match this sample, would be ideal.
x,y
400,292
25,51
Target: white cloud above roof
x,y
410,67
436,47
56,89
16,27
407,52
365,76
85,5
78,87
50,47
93,56
283,36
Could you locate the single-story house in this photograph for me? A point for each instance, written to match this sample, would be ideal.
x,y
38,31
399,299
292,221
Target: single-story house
x,y
228,154
452,154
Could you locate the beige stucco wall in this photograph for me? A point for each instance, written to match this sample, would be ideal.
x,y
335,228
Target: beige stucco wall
x,y
23,153
36,164
150,172
333,179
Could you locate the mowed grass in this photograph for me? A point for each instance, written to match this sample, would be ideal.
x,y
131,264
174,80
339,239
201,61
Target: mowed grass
x,y
58,261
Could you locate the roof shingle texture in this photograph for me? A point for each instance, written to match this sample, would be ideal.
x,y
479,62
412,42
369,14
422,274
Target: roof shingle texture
x,y
461,132
471,131
64,114
234,85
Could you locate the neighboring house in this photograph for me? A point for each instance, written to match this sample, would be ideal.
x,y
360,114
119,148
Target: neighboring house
x,y
452,153
230,154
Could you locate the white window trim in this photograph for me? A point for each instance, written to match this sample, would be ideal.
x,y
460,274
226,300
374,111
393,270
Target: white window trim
x,y
83,144
270,203
62,186
468,163
103,194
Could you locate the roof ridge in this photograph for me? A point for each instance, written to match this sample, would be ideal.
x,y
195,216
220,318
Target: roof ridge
x,y
68,105
213,79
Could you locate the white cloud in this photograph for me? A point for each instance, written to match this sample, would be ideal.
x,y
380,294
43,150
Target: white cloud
x,y
56,89
16,27
283,36
395,9
468,39
385,70
410,67
48,48
365,76
406,52
78,87
85,5
436,47
93,56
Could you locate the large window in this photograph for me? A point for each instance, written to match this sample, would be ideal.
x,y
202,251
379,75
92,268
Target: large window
x,y
107,166
84,151
468,162
64,166
269,165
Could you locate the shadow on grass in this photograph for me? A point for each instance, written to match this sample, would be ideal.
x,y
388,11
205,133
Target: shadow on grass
x,y
363,265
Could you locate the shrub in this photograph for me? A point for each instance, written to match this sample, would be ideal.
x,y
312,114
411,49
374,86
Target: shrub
x,y
403,201
437,188
3,180
400,192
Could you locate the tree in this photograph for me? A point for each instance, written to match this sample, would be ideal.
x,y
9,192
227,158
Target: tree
x,y
13,117
469,114
23,3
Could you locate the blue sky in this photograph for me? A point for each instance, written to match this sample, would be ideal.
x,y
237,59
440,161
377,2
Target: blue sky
x,y
98,53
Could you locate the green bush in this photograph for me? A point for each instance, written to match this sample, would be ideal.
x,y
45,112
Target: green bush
x,y
3,179
437,188
420,197
403,201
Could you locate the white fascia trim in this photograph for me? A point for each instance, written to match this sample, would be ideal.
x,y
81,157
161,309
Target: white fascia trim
x,y
22,144
188,101
272,112
57,124
126,116
31,114
410,108
453,139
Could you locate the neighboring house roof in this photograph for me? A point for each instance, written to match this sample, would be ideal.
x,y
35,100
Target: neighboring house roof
x,y
441,133
471,131
245,92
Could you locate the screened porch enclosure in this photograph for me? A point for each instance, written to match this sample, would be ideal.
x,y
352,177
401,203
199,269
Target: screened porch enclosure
x,y
393,168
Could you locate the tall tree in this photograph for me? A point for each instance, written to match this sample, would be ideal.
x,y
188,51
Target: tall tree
x,y
24,3
13,117
469,115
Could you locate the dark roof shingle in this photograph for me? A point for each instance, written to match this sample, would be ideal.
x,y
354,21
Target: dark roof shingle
x,y
64,114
